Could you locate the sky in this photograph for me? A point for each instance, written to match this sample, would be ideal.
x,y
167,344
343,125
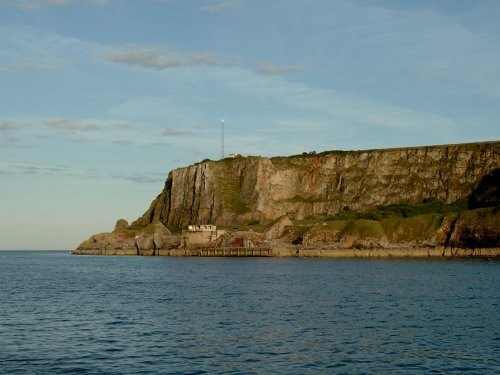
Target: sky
x,y
100,99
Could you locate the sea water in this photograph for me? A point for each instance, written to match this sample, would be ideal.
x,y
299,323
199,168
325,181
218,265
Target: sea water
x,y
65,314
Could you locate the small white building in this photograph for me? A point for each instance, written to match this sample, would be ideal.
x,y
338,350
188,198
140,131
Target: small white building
x,y
200,235
202,228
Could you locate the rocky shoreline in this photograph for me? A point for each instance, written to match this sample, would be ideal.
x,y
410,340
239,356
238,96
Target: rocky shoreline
x,y
435,201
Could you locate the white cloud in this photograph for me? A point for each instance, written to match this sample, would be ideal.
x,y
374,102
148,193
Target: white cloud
x,y
157,58
36,50
37,5
197,95
325,114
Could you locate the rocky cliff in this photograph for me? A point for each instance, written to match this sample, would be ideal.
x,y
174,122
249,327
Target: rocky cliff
x,y
241,190
250,190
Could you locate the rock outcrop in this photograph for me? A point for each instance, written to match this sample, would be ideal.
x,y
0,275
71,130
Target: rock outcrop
x,y
126,240
241,190
248,190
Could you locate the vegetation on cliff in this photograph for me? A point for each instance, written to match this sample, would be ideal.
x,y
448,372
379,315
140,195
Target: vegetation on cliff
x,y
423,196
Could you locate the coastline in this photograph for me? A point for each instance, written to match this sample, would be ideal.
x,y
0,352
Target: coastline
x,y
287,252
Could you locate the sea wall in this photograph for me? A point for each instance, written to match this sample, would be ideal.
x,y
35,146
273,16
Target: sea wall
x,y
289,252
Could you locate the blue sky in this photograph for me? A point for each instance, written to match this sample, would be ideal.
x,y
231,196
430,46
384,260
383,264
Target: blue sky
x,y
101,98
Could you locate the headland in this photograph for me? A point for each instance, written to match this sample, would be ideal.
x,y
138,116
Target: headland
x,y
431,201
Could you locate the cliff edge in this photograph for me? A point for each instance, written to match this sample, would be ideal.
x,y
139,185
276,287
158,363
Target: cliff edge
x,y
434,196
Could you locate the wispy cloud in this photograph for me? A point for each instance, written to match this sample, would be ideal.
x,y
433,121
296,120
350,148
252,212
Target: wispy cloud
x,y
338,116
157,58
6,125
40,52
33,169
28,65
122,142
36,5
221,7
71,125
174,132
115,132
10,133
88,130
36,66
269,69
141,178
87,125
70,172
31,6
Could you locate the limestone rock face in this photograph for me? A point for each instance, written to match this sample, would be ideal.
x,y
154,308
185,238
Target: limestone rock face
x,y
342,234
121,225
162,237
237,191
119,239
128,241
289,190
155,237
477,229
278,228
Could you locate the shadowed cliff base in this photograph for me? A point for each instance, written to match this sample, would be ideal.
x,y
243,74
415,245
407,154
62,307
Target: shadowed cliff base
x,y
419,202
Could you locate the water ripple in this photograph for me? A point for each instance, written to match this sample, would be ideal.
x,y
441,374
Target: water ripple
x,y
62,314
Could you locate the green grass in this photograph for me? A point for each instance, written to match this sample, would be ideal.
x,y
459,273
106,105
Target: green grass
x,y
174,230
432,206
399,222
421,227
337,226
363,228
253,225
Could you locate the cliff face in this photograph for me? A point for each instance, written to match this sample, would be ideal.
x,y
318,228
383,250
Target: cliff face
x,y
243,190
439,197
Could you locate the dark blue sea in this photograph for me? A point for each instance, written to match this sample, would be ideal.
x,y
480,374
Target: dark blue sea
x,y
66,314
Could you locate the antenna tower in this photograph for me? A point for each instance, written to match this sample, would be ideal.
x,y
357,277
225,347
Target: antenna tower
x,y
222,141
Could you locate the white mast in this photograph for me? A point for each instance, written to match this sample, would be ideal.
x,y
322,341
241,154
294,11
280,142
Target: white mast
x,y
222,141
